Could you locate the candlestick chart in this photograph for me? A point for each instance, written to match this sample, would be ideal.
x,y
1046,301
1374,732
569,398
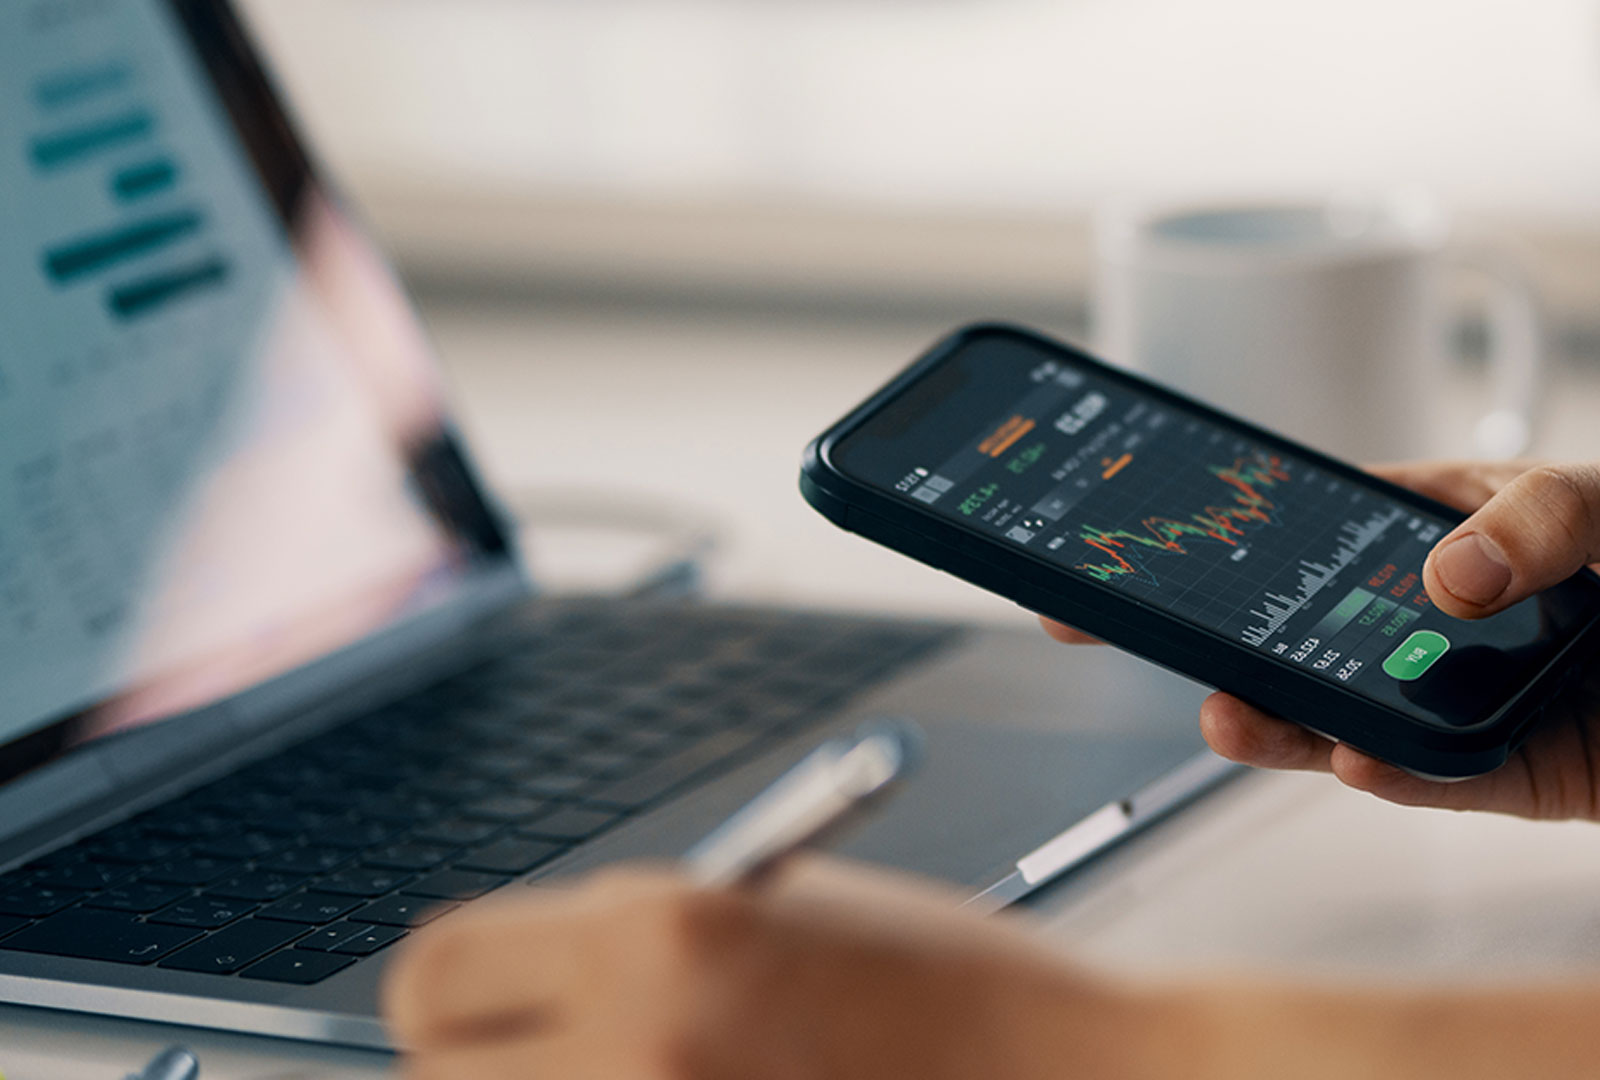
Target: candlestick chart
x,y
1248,498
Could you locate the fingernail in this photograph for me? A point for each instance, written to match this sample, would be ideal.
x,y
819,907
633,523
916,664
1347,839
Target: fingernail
x,y
1473,568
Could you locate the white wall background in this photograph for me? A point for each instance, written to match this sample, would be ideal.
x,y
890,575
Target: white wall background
x,y
971,104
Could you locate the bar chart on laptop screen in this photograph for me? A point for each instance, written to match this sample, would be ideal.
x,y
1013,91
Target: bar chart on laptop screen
x,y
137,276
153,249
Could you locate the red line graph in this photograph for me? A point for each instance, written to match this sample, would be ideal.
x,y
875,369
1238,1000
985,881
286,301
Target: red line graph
x,y
1249,480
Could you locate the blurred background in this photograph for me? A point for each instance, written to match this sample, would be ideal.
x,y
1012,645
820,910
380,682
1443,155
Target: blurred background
x,y
661,243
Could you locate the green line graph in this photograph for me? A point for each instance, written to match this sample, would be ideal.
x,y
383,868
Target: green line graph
x,y
1248,480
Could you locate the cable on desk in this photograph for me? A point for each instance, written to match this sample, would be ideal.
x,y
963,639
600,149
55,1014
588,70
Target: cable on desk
x,y
688,537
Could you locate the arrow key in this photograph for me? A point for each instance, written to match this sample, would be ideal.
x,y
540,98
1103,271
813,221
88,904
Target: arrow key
x,y
298,966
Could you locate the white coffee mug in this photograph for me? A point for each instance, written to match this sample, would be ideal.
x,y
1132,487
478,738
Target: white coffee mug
x,y
1323,321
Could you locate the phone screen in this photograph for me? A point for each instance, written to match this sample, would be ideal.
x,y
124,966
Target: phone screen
x,y
1170,507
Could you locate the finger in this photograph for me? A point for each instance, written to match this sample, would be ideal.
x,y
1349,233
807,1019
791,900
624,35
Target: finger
x,y
1549,777
1366,773
1063,632
1502,790
1247,735
1539,529
822,883
483,973
507,967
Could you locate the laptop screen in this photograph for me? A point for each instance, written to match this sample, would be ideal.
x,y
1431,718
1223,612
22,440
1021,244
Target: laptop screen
x,y
222,448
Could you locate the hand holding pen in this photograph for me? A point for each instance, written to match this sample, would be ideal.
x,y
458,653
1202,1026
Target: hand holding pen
x,y
727,967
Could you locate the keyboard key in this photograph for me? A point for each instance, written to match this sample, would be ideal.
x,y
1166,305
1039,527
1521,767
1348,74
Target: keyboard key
x,y
689,693
204,912
17,880
452,788
455,833
804,690
285,823
138,897
311,908
673,771
82,875
505,809
402,911
340,800
100,935
296,821
497,766
34,902
647,742
510,856
370,940
228,950
130,847
190,870
357,834
556,785
179,822
305,860
258,885
363,881
249,845
409,856
455,885
548,744
71,855
589,697
571,824
298,966
605,763
325,939
401,810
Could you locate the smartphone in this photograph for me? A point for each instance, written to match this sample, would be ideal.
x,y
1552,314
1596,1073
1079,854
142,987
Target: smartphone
x,y
1199,541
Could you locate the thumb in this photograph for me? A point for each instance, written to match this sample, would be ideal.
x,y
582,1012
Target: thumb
x,y
1538,530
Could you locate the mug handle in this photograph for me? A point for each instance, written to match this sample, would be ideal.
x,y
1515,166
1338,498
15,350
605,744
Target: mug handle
x,y
1516,352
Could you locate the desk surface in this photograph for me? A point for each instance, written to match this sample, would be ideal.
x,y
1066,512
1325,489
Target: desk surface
x,y
704,419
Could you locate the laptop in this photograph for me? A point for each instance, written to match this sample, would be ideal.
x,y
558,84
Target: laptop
x,y
278,689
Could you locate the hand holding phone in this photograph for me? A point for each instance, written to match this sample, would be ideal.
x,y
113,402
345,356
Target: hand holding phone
x,y
1199,541
1549,776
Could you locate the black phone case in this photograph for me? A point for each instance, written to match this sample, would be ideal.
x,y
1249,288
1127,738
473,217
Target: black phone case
x,y
1029,580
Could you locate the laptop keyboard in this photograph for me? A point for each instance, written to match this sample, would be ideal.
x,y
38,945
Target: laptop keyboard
x,y
299,865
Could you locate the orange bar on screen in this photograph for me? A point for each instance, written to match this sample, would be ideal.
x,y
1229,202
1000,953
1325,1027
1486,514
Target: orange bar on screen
x,y
1114,467
1006,436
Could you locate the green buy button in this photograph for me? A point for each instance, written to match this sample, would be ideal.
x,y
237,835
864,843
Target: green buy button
x,y
1416,654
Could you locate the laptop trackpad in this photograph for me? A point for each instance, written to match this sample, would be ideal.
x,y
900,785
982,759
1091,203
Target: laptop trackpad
x,y
1024,738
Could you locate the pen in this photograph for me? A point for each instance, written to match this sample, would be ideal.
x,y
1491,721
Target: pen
x,y
830,788
173,1063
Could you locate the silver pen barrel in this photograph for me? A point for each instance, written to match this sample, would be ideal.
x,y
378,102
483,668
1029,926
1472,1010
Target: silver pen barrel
x,y
822,793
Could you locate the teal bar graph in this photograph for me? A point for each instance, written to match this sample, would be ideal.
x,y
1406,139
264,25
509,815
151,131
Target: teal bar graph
x,y
61,148
137,181
144,297
89,254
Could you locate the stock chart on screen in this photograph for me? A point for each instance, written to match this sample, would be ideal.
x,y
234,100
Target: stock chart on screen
x,y
1177,511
